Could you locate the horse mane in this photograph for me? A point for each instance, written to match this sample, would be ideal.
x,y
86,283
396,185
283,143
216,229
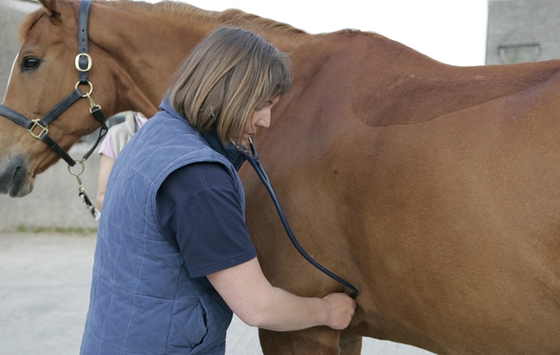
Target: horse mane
x,y
186,12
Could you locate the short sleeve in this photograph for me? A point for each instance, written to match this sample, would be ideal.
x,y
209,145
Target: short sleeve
x,y
106,148
200,213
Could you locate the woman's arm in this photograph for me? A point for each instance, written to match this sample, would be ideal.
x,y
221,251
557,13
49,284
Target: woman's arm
x,y
257,303
105,166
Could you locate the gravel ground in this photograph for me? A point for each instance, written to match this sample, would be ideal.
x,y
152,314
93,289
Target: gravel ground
x,y
44,291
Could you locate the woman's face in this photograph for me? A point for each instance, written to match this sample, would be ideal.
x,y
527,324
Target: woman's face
x,y
259,119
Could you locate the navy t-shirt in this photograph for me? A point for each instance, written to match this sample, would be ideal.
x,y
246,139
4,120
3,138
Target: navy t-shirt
x,y
200,213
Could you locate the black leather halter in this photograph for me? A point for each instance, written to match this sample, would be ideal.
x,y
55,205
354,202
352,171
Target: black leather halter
x,y
39,128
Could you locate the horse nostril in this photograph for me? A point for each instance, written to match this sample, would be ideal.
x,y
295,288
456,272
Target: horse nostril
x,y
13,177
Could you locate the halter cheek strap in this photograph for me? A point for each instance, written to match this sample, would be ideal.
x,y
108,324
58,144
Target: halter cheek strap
x,y
83,60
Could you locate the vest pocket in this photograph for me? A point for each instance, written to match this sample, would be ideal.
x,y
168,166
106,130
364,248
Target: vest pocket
x,y
188,325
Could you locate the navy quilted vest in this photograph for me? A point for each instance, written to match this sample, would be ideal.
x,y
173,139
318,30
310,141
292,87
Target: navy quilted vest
x,y
142,299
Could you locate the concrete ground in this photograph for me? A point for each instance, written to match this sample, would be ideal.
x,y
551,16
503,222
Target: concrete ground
x,y
44,291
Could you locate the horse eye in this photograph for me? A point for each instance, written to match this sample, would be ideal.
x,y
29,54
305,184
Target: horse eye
x,y
30,63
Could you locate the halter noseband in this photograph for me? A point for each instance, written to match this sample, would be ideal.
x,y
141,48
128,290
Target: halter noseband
x,y
39,128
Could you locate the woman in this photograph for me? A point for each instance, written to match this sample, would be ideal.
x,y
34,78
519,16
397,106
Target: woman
x,y
174,257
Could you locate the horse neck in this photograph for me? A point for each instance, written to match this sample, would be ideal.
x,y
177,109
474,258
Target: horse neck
x,y
150,45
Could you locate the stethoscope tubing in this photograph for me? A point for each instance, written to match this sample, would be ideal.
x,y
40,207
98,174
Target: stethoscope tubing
x,y
253,159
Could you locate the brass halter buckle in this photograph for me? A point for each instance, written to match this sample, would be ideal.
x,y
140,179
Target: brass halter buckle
x,y
89,62
44,129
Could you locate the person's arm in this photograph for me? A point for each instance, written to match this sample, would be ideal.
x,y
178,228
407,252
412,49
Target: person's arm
x,y
105,166
257,303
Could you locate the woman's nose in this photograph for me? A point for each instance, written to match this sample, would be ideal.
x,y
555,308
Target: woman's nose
x,y
264,119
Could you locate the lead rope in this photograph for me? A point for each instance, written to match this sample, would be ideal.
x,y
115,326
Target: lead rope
x,y
82,192
95,213
253,159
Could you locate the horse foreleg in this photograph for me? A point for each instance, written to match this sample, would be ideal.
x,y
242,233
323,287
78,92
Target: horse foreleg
x,y
317,341
350,344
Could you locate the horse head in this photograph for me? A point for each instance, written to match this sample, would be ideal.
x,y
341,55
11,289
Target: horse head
x,y
45,74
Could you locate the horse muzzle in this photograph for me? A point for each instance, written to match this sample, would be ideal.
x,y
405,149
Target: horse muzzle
x,y
15,178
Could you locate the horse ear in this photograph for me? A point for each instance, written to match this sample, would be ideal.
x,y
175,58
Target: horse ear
x,y
51,7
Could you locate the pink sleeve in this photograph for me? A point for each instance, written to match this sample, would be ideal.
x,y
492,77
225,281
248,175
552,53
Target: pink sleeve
x,y
106,148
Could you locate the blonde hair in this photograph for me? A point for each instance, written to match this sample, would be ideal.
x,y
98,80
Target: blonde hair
x,y
226,77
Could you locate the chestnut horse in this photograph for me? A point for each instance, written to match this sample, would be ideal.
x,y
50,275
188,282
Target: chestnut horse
x,y
434,189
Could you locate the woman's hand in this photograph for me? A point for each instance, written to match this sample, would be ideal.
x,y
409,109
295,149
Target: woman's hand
x,y
342,309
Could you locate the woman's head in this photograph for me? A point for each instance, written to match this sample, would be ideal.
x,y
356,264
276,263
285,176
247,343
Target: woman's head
x,y
226,77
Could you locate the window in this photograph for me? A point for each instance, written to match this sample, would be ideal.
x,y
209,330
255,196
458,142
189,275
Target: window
x,y
519,53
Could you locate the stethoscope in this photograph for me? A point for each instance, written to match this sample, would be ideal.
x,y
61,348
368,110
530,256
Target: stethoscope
x,y
253,159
